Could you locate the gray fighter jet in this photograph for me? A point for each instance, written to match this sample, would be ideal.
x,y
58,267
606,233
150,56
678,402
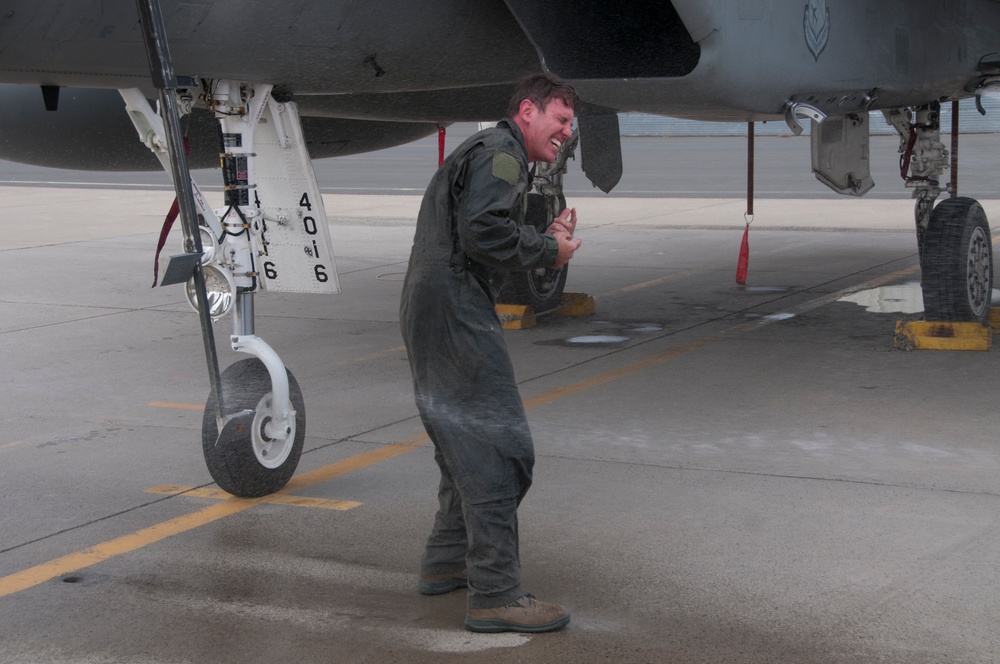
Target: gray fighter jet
x,y
266,85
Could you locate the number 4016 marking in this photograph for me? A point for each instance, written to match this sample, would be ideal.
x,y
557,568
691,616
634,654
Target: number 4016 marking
x,y
309,225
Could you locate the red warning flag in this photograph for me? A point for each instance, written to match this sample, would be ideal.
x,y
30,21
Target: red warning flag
x,y
168,223
744,261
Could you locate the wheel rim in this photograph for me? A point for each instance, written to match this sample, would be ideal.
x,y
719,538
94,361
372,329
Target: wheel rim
x,y
979,271
542,282
270,452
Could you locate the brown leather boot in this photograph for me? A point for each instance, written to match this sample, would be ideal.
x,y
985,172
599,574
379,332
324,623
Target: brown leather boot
x,y
526,614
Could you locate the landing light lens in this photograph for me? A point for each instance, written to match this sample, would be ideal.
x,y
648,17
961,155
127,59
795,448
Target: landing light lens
x,y
219,289
208,246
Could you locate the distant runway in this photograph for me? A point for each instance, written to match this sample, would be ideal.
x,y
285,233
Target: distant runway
x,y
654,167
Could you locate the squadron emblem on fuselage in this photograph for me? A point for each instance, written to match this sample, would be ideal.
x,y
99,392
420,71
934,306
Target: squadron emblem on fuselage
x,y
816,26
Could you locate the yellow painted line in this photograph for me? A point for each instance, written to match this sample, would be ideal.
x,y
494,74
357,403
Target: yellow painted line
x,y
75,561
182,406
613,375
374,356
654,282
306,501
275,499
356,462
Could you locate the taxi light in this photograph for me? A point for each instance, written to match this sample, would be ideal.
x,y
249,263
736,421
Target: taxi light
x,y
219,289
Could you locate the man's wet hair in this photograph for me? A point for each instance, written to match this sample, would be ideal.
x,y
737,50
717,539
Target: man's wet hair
x,y
540,89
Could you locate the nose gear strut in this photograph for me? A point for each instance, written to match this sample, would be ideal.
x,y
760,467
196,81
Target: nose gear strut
x,y
271,236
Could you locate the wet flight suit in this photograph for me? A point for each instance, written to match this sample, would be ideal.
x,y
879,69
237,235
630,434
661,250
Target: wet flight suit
x,y
468,235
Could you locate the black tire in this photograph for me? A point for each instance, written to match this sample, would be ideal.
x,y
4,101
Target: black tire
x,y
540,289
232,458
957,262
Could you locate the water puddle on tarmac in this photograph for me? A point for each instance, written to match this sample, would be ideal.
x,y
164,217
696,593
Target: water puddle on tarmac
x,y
898,299
597,339
610,334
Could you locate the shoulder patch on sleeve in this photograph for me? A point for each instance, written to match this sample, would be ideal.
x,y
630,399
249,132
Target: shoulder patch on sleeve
x,y
506,167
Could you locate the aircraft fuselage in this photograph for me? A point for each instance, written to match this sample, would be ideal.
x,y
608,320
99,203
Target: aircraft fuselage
x,y
448,60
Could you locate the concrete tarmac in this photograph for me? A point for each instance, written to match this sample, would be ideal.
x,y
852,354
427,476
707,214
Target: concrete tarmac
x,y
724,474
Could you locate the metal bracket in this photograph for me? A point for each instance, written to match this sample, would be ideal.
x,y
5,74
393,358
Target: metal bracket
x,y
180,268
794,111
817,106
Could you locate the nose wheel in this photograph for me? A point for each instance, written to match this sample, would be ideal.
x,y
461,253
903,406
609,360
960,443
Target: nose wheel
x,y
243,459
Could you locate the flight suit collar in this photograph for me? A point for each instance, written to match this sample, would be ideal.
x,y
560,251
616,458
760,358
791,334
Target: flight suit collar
x,y
515,131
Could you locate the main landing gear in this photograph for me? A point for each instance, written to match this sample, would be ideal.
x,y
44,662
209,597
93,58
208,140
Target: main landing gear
x,y
953,237
542,288
957,262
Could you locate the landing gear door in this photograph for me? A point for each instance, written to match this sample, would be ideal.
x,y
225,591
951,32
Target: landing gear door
x,y
840,153
297,251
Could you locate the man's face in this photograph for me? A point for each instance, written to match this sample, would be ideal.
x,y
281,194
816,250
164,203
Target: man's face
x,y
545,131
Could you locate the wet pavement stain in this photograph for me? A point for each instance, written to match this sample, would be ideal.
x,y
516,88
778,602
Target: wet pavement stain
x,y
764,290
597,339
606,333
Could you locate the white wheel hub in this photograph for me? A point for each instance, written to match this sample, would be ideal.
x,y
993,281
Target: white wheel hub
x,y
270,452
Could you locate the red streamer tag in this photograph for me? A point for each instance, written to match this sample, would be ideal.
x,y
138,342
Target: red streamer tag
x,y
744,262
168,223
441,132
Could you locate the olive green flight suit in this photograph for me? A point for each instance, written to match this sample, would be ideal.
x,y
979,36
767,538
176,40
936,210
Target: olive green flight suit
x,y
469,234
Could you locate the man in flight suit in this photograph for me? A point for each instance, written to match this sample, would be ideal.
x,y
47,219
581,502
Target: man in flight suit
x,y
470,232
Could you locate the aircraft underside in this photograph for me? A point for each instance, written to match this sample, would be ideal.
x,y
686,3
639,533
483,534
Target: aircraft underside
x,y
359,78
